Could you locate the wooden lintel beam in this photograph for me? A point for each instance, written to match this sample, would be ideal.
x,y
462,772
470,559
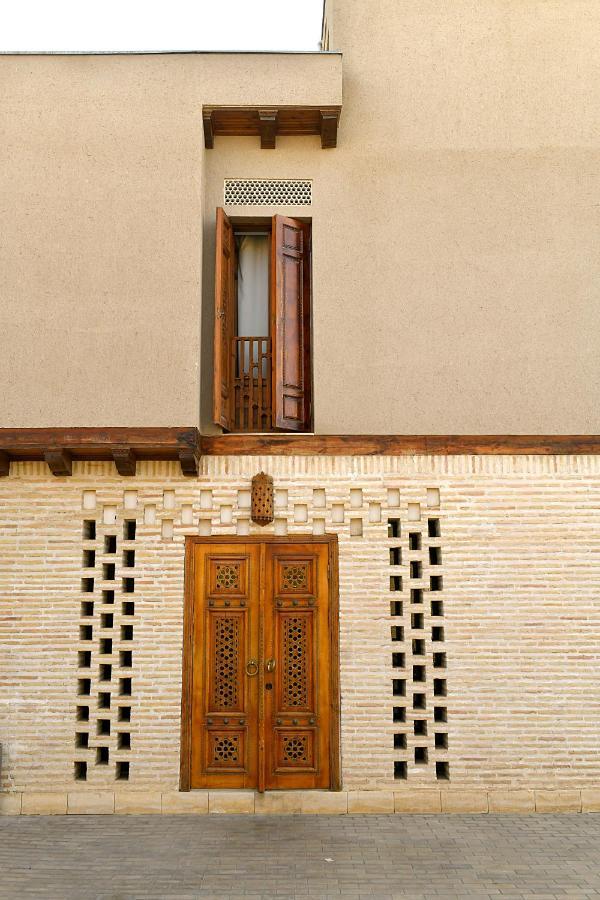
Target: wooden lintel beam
x,y
329,126
188,460
267,119
397,445
59,461
207,122
125,460
62,445
4,463
97,443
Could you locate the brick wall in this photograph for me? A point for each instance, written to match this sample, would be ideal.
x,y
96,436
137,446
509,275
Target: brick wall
x,y
509,686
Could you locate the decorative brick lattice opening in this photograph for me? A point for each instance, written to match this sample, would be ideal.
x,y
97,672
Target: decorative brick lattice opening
x,y
104,658
419,711
267,192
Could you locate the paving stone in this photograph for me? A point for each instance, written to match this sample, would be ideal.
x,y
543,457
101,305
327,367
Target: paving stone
x,y
511,801
557,801
590,800
323,802
90,802
459,801
277,802
10,804
299,857
370,802
189,803
44,803
231,802
138,802
418,800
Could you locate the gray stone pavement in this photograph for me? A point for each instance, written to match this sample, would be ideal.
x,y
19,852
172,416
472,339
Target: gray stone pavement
x,y
227,857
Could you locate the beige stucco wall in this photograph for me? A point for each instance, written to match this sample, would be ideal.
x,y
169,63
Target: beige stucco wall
x,y
455,249
101,170
467,268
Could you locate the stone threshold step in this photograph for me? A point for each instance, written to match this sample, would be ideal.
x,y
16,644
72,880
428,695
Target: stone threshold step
x,y
418,801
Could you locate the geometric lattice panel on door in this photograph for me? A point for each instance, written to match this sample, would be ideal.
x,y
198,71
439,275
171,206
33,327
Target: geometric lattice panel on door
x,y
295,750
226,661
296,639
228,577
295,577
226,749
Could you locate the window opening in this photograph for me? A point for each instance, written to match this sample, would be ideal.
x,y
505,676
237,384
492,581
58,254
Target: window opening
x,y
262,325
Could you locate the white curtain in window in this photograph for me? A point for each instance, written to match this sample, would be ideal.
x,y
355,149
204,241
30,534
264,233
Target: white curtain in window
x,y
253,286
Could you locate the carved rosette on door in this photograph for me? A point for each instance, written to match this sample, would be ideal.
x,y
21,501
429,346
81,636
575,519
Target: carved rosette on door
x,y
261,687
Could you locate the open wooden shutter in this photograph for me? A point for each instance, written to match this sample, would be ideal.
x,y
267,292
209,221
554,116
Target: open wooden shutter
x,y
290,323
225,309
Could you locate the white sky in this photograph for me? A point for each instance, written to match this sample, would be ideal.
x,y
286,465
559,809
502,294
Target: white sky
x,y
160,24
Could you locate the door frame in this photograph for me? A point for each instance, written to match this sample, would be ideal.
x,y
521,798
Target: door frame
x,y
185,768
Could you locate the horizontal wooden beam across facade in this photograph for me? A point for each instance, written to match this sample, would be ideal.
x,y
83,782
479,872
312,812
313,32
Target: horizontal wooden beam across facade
x,y
267,124
60,447
398,444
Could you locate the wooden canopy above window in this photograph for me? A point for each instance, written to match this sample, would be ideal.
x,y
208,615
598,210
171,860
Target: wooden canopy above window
x,y
268,123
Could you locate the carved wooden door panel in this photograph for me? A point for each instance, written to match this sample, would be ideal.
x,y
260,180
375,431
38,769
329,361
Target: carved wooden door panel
x,y
261,693
225,666
297,667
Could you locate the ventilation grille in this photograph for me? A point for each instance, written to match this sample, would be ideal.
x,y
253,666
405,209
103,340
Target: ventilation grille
x,y
105,648
267,192
419,687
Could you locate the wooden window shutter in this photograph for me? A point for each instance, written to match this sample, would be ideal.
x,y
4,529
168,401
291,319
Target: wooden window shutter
x,y
290,323
225,311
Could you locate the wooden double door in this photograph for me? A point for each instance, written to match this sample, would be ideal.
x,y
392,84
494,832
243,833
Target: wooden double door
x,y
262,691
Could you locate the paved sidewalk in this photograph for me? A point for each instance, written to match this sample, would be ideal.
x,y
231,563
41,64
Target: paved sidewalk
x,y
227,857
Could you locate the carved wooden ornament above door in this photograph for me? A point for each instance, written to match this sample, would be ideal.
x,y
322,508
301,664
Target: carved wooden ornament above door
x,y
261,511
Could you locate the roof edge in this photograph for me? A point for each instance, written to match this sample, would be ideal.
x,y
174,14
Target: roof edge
x,y
170,53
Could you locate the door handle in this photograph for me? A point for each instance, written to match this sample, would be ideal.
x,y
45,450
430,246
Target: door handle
x,y
251,664
270,665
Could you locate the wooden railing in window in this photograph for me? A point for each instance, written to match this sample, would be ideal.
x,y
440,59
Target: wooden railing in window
x,y
252,384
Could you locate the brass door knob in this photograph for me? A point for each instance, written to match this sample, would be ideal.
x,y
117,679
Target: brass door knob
x,y
270,665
